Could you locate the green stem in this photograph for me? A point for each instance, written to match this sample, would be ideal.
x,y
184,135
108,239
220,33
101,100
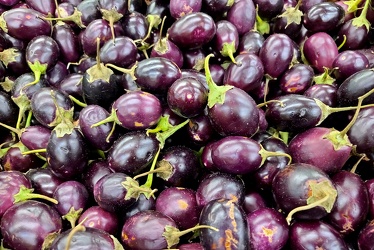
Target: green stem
x,y
130,71
28,120
76,101
149,181
41,150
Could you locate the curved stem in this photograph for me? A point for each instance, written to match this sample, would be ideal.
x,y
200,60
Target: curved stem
x,y
149,181
353,169
265,154
28,120
42,150
78,228
260,105
306,207
76,101
130,71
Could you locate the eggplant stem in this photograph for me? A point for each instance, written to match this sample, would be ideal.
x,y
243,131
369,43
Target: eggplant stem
x,y
353,169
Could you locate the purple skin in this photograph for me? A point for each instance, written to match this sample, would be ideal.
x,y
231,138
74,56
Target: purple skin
x,y
206,157
356,37
191,246
366,237
226,39
325,148
156,74
267,10
187,97
315,234
216,8
136,110
13,159
228,217
56,74
347,63
352,205
370,188
141,204
238,115
297,79
9,3
24,24
192,31
193,59
179,8
135,25
355,86
43,181
10,183
180,166
132,152
179,204
281,25
67,41
320,50
145,229
200,130
109,193
265,174
121,51
251,42
167,49
72,85
236,155
217,72
326,93
242,14
97,28
99,137
67,155
85,238
72,197
47,7
324,17
253,201
16,64
44,107
276,54
26,224
94,172
98,218
267,229
8,110
364,141
369,54
246,74
220,186
301,184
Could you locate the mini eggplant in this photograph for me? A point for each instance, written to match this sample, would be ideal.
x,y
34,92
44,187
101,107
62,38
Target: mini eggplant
x,y
99,218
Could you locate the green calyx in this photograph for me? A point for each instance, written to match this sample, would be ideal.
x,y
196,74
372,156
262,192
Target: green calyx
x,y
361,20
229,49
292,14
72,216
216,93
7,84
261,26
8,56
338,139
99,72
3,24
324,78
27,194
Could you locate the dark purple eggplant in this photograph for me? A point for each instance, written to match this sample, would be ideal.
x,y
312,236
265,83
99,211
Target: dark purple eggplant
x,y
81,237
26,225
200,130
267,229
347,63
315,234
96,29
24,24
297,79
110,194
304,192
242,14
99,218
240,155
56,74
70,49
72,197
121,51
94,172
269,9
179,204
220,186
179,8
141,204
246,74
43,181
14,159
352,204
187,97
229,220
324,17
252,202
320,50
326,93
192,31
226,39
72,85
14,60
251,42
47,7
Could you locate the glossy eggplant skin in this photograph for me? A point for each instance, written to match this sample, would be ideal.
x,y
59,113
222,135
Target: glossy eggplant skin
x,y
229,219
315,235
192,31
67,155
24,24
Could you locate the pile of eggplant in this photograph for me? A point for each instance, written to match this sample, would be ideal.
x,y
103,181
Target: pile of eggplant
x,y
186,124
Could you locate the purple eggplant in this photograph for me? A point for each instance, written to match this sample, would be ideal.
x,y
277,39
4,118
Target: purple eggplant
x,y
26,225
304,192
231,226
179,9
349,62
252,202
99,218
297,79
193,30
315,234
267,229
94,172
242,14
43,181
